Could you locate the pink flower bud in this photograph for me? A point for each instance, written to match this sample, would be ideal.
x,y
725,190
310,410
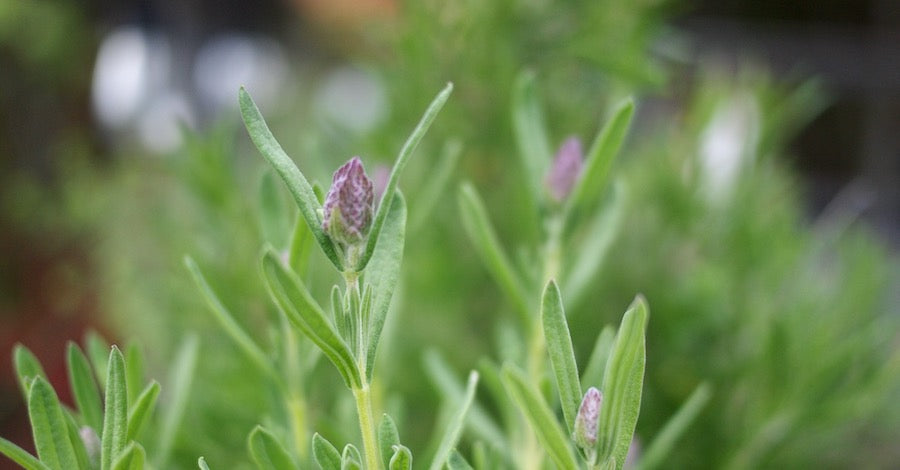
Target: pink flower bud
x,y
349,204
565,169
587,421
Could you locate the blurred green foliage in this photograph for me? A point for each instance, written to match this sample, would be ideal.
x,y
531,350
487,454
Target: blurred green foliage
x,y
791,321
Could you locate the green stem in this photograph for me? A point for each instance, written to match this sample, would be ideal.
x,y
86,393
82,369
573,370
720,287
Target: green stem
x,y
367,427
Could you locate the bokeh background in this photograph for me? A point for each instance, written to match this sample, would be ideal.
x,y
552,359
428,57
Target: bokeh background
x,y
763,213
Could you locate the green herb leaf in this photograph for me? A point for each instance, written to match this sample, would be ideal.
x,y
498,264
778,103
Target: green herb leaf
x,y
78,444
267,452
291,175
51,437
97,350
454,429
458,462
481,232
599,159
133,458
325,454
115,412
562,355
402,459
305,314
227,321
541,418
84,387
301,247
402,159
655,454
134,370
593,373
141,409
28,368
622,385
382,275
272,212
388,438
350,458
531,133
20,456
180,377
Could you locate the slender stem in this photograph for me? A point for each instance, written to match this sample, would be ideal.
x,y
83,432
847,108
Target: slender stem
x,y
367,427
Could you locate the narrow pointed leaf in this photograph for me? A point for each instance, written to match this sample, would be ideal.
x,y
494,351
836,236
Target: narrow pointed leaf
x,y
301,247
297,184
115,412
48,425
593,373
201,463
654,456
78,445
325,454
483,236
350,458
458,462
132,458
383,273
97,350
267,452
141,409
227,321
402,159
531,132
28,368
622,385
402,459
305,314
178,392
20,456
541,419
388,438
562,355
272,212
134,370
454,428
599,159
84,387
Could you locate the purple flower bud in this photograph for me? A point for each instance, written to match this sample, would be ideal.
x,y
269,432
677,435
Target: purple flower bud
x,y
348,205
587,421
565,169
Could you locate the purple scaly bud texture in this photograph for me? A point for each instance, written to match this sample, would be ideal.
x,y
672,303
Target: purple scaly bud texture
x,y
349,204
565,169
587,421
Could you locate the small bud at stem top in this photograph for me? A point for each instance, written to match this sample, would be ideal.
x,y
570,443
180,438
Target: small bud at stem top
x,y
587,421
348,206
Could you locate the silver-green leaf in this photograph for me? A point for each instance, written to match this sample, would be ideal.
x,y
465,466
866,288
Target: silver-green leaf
x,y
562,355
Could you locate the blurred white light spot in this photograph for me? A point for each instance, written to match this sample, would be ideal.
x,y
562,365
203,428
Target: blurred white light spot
x,y
353,98
728,141
161,125
227,62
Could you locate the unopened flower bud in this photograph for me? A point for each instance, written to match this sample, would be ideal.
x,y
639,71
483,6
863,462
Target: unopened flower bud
x,y
587,421
349,204
565,169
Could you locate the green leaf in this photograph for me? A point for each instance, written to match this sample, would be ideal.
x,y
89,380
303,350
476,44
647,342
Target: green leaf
x,y
51,437
272,212
97,350
623,384
402,459
180,377
201,462
383,273
115,413
388,438
267,452
562,355
531,133
301,246
141,409
541,418
84,387
325,454
593,373
78,444
297,184
350,458
454,429
591,253
305,314
655,454
134,370
458,462
20,456
402,159
28,368
481,232
133,458
599,159
228,323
